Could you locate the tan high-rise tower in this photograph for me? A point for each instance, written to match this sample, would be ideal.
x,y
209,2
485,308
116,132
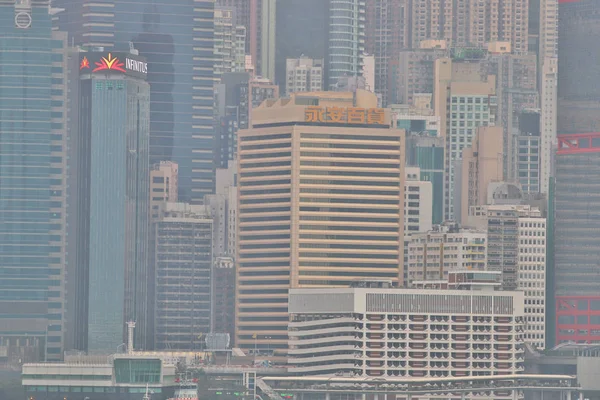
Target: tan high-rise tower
x,y
321,193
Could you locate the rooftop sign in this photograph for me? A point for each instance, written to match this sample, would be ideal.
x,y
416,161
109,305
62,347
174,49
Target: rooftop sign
x,y
109,63
345,115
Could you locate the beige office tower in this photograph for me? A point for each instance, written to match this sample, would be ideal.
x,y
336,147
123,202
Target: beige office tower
x,y
481,165
321,193
471,23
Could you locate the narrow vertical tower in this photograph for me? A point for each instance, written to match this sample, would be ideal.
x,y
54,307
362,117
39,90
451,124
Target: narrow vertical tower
x,y
130,328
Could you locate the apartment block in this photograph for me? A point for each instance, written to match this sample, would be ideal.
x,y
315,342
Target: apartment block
x,y
464,101
517,249
481,164
472,23
183,251
229,42
386,34
304,75
321,204
373,330
433,255
415,72
418,200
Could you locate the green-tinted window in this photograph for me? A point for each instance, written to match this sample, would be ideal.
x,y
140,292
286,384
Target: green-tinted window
x,y
137,371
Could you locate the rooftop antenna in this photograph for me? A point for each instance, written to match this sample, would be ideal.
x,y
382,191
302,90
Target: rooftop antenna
x,y
147,395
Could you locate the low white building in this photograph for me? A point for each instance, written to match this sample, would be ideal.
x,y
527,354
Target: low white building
x,y
389,332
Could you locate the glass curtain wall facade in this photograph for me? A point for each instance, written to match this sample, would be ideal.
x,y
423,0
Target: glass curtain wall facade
x,y
114,122
576,251
346,39
32,185
176,37
578,67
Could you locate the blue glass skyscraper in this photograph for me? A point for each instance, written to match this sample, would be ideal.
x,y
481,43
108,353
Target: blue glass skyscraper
x,y
176,37
113,197
32,184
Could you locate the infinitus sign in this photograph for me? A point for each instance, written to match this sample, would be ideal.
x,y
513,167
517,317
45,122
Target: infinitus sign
x,y
343,115
109,63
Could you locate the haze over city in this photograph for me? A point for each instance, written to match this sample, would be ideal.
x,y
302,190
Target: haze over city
x,y
299,199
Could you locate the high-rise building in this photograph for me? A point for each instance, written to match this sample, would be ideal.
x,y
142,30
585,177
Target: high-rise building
x,y
528,151
472,24
163,185
235,97
386,34
368,72
577,72
576,250
33,123
446,248
517,249
176,37
463,101
268,32
346,40
331,30
183,244
303,75
378,332
230,42
418,199
321,203
481,164
424,148
246,15
516,89
566,33
302,30
113,197
415,72
224,205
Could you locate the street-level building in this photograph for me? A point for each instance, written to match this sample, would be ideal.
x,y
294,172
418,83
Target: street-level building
x,y
116,377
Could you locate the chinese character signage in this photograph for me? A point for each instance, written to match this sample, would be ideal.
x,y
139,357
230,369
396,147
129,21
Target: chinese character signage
x,y
342,115
113,63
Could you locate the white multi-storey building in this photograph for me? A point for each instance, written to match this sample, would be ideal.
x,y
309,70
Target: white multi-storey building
x,y
389,332
418,199
432,255
532,276
303,75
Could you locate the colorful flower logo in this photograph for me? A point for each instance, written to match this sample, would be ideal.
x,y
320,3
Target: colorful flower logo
x,y
109,63
85,63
